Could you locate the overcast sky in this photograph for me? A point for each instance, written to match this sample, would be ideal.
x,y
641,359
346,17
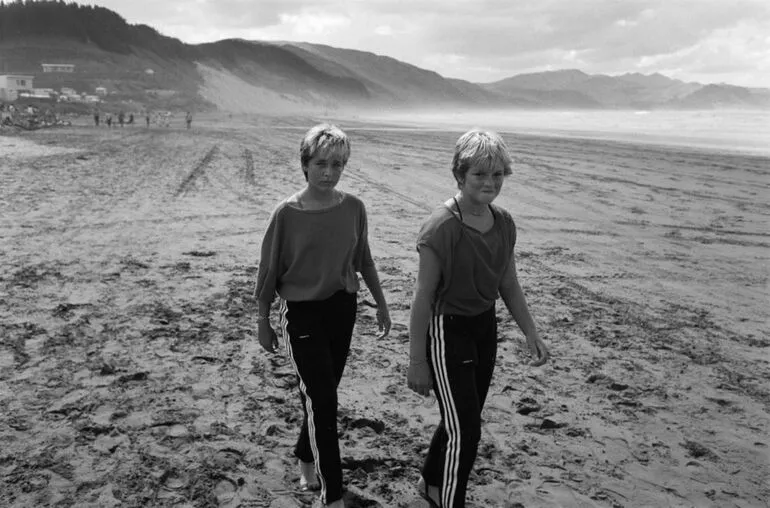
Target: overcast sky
x,y
708,41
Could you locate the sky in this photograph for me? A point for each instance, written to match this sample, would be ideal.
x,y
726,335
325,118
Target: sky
x,y
706,41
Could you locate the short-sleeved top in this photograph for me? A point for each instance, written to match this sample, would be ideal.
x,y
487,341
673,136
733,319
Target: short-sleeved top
x,y
311,254
472,263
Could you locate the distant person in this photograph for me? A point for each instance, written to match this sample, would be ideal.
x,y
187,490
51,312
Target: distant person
x,y
315,243
108,119
147,117
131,118
5,114
121,117
466,260
96,117
188,119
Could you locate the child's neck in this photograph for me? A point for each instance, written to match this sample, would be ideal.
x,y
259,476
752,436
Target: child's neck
x,y
313,198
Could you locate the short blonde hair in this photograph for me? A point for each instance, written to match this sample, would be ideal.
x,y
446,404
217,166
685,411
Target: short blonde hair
x,y
323,137
478,148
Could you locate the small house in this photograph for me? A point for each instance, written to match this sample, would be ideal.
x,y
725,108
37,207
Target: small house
x,y
12,84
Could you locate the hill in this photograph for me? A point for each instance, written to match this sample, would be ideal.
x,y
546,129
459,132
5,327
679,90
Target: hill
x,y
717,96
390,80
138,65
575,87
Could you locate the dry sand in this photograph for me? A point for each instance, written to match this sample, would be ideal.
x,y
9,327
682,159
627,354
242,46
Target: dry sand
x,y
130,374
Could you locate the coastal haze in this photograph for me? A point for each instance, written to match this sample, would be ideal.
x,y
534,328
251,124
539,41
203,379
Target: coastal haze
x,y
736,131
130,374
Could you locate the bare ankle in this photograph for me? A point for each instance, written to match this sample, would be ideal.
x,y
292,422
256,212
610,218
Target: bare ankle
x,y
308,479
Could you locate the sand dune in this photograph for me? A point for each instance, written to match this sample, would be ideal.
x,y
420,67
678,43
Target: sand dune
x,y
130,374
230,93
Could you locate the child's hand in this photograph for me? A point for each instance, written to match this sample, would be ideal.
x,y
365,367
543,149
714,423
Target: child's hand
x,y
383,321
538,350
267,337
418,377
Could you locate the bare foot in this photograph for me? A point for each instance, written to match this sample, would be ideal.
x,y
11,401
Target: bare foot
x,y
432,494
334,504
307,476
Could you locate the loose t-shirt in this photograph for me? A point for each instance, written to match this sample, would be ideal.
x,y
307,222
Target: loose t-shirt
x,y
472,263
312,254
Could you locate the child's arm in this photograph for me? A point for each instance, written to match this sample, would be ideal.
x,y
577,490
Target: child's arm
x,y
372,280
364,264
513,296
428,276
265,333
264,291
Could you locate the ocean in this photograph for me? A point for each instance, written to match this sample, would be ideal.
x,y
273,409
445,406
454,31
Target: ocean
x,y
743,131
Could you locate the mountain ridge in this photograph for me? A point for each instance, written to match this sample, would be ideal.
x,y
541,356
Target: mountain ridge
x,y
110,52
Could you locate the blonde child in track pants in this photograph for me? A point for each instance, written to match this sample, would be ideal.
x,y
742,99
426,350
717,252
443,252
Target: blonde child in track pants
x,y
466,261
315,244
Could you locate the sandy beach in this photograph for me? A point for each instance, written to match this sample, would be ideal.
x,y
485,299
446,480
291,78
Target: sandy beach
x,y
130,374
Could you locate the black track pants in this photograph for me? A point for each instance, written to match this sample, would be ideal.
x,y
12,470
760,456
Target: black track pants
x,y
317,338
461,353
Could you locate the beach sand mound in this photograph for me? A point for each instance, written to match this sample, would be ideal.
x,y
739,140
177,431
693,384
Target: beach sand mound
x,y
229,93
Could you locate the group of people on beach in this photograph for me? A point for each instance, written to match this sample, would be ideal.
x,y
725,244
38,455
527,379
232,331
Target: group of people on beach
x,y
314,247
162,118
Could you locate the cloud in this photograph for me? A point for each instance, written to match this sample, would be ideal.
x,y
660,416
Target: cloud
x,y
732,55
314,23
383,30
604,36
601,29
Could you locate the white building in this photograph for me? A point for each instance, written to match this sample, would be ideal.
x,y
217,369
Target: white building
x,y
34,94
58,67
11,84
156,92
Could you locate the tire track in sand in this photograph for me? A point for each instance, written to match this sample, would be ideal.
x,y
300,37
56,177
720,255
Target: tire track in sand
x,y
388,190
248,170
197,171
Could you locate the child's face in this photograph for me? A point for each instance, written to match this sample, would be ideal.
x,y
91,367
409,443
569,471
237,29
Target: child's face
x,y
482,184
325,168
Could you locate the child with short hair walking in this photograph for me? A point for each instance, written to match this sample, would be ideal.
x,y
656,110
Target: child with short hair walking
x,y
315,244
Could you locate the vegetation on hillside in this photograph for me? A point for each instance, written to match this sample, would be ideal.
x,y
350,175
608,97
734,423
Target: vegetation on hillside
x,y
88,24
